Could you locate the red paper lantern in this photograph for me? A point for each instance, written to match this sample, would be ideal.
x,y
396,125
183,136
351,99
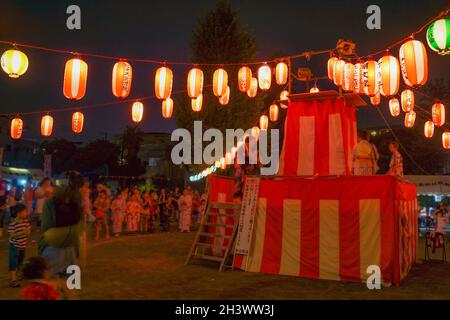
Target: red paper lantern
x,y
121,79
220,82
338,72
263,122
273,113
407,98
137,111
264,77
77,122
394,107
389,75
16,128
410,118
197,103
428,129
194,83
284,97
414,63
438,114
446,140
163,83
358,78
75,79
47,125
370,79
376,99
330,66
167,108
223,100
348,83
244,78
281,73
252,92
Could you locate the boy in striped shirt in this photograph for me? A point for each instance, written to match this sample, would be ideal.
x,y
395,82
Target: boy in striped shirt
x,y
19,229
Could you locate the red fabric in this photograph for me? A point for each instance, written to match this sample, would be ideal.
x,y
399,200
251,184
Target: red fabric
x,y
348,191
39,291
320,111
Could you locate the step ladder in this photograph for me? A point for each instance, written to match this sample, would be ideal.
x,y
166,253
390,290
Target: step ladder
x,y
209,243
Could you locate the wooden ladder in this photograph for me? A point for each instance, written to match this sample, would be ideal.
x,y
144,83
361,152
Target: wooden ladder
x,y
203,245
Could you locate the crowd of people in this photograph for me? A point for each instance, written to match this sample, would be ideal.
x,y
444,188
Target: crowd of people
x,y
63,216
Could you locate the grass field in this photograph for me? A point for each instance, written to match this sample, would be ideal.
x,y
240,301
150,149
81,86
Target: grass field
x,y
152,267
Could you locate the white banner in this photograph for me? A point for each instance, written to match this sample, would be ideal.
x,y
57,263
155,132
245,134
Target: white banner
x,y
247,217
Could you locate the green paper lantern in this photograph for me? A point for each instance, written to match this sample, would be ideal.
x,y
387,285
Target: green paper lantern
x,y
438,36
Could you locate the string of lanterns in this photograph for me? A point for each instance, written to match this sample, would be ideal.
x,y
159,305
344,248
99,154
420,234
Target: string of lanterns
x,y
382,77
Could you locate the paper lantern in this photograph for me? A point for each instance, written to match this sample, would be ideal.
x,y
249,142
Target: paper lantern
x,y
414,63
197,103
370,78
438,36
407,99
281,73
394,107
163,83
75,78
244,79
263,122
194,83
228,158
264,77
388,75
410,118
220,82
77,122
330,66
438,114
428,129
16,128
284,97
349,79
251,93
46,126
314,89
358,78
376,99
167,108
255,132
223,100
338,72
223,163
137,111
121,79
14,63
273,113
446,140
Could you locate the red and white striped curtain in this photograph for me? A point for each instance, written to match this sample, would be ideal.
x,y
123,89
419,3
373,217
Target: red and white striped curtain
x,y
318,138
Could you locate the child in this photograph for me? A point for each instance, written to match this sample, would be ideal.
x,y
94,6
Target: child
x,y
118,208
101,206
39,288
19,229
134,208
145,214
438,236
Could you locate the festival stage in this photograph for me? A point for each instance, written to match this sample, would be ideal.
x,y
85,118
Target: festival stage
x,y
329,228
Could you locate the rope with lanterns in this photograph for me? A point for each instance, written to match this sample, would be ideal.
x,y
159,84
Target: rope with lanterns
x,y
376,78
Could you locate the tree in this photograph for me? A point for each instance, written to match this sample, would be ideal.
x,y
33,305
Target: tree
x,y
62,152
219,38
96,155
131,141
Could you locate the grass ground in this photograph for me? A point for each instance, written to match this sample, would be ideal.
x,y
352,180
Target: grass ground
x,y
152,267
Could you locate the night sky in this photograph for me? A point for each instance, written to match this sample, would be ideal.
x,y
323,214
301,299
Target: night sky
x,y
162,30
